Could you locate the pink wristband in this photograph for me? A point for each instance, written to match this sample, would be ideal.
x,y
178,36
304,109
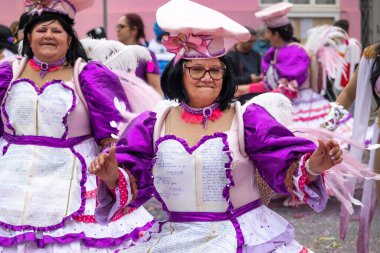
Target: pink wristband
x,y
257,87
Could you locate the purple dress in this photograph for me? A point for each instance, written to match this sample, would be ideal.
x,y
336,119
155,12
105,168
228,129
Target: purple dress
x,y
210,190
49,137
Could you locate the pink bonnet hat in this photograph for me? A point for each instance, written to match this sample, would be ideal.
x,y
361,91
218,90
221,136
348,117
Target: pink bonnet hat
x,y
275,15
196,31
67,7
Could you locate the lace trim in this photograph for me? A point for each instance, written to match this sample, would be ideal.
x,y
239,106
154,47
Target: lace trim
x,y
288,181
264,189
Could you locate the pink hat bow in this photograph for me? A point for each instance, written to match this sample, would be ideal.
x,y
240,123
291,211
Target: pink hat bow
x,y
67,7
37,5
182,44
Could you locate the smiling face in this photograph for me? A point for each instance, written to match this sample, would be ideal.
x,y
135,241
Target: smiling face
x,y
49,41
205,91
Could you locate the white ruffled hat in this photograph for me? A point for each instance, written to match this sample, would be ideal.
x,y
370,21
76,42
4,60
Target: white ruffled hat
x,y
67,7
197,32
275,15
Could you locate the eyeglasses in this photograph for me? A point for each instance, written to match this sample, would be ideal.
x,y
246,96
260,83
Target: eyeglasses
x,y
120,26
197,73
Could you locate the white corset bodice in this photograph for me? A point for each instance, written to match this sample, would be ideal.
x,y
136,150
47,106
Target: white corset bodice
x,y
47,111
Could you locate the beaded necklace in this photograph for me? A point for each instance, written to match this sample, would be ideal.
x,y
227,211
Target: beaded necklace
x,y
200,115
45,67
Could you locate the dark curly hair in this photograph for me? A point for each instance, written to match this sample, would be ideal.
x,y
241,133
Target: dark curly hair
x,y
173,87
75,48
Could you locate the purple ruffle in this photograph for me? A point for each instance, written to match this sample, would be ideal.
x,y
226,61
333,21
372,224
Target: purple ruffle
x,y
39,92
183,142
226,190
68,238
6,74
190,150
9,125
239,235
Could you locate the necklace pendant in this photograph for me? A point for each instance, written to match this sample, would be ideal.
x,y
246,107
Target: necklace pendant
x,y
200,115
43,73
204,123
44,66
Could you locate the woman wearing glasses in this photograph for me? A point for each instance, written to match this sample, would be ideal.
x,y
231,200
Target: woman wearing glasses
x,y
199,157
130,31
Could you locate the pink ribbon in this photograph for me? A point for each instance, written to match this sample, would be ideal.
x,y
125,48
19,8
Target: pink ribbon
x,y
288,88
182,44
38,4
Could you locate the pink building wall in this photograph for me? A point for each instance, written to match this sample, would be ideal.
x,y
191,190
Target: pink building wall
x,y
241,11
350,10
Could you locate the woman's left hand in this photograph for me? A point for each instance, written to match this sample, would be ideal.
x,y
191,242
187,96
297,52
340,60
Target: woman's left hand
x,y
105,167
327,155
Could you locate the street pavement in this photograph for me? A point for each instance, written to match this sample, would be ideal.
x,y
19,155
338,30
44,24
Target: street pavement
x,y
318,232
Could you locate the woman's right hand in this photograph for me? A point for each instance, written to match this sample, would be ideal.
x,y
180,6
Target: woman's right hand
x,y
105,167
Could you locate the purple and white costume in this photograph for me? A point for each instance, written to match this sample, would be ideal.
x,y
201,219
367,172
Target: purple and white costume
x,y
291,63
49,137
210,190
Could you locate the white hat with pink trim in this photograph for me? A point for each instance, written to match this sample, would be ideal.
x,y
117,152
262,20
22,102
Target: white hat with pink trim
x,y
66,7
197,32
275,15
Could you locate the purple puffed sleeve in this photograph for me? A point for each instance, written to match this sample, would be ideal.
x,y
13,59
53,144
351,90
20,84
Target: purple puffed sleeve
x,y
100,86
6,75
271,146
292,62
135,152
